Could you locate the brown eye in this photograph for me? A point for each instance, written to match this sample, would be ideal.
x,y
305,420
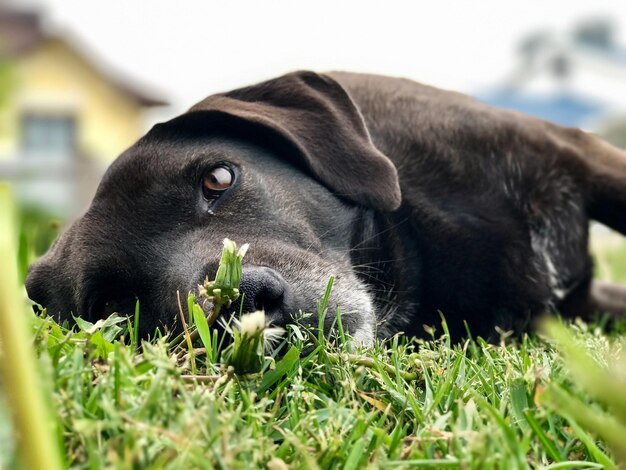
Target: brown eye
x,y
217,180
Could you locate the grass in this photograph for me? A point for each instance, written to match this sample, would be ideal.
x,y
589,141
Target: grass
x,y
327,403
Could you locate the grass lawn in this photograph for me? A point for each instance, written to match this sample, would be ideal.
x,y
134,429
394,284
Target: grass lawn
x,y
531,402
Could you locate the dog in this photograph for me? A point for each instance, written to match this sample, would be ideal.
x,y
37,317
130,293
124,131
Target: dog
x,y
418,201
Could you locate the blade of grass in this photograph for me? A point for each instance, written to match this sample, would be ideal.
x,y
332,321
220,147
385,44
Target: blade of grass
x,y
448,462
282,367
136,326
600,382
602,424
323,309
591,445
187,337
573,464
202,325
509,436
519,402
355,455
32,418
551,449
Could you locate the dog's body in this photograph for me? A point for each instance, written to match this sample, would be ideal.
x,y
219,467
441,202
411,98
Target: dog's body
x,y
418,200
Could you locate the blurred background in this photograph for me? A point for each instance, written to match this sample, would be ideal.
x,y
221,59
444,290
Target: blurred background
x,y
81,81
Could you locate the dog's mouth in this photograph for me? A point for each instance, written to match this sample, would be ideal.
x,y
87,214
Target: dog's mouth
x,y
124,303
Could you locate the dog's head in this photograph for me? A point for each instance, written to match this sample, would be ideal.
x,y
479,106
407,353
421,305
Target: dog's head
x,y
286,166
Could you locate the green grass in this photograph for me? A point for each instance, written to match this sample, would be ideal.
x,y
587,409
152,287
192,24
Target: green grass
x,y
331,404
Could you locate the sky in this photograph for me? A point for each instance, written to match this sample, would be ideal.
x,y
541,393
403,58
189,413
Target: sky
x,y
185,50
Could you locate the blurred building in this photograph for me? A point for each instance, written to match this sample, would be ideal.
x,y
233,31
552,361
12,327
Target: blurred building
x,y
574,79
65,117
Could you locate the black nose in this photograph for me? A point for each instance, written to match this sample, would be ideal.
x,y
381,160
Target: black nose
x,y
263,288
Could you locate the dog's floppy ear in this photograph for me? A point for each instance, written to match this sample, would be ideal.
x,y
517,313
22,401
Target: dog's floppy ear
x,y
317,121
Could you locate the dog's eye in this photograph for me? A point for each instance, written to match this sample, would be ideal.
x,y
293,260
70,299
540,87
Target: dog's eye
x,y
217,180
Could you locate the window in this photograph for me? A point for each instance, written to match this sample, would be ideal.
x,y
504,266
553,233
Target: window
x,y
49,135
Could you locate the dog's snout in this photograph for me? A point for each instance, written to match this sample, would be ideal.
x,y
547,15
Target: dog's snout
x,y
264,289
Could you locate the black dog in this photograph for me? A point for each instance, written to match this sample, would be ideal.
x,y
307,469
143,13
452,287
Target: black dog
x,y
418,200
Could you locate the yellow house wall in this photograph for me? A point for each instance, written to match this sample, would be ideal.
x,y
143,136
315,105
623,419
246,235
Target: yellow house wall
x,y
55,79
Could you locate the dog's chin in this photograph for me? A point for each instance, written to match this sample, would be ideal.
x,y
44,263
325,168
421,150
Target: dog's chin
x,y
365,335
349,296
357,310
